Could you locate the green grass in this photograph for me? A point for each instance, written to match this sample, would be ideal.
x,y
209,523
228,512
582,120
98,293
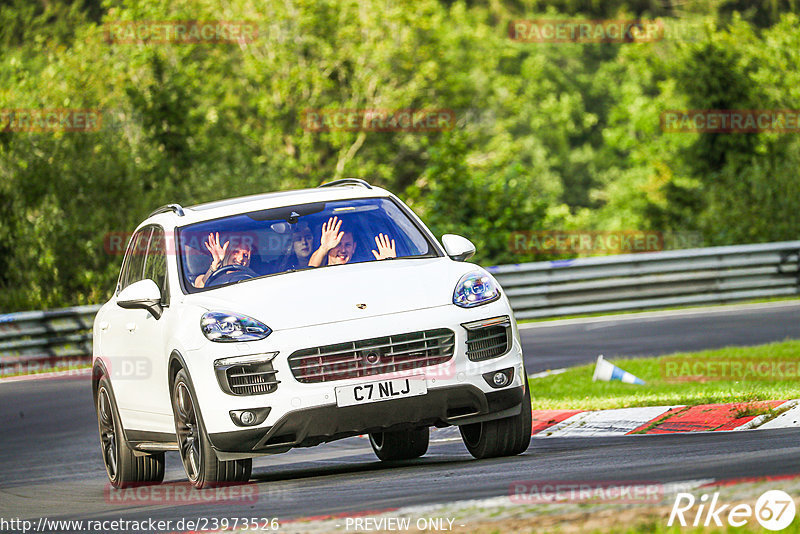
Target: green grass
x,y
646,310
657,525
574,388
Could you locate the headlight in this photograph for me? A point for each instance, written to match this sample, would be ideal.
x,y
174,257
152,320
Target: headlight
x,y
222,326
474,289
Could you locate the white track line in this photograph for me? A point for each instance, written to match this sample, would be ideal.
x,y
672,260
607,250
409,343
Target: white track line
x,y
549,372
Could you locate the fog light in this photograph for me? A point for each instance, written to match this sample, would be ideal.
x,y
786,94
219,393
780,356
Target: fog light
x,y
248,417
251,417
499,379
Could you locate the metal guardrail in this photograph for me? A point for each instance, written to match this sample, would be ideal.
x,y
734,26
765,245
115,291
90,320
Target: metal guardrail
x,y
651,280
38,340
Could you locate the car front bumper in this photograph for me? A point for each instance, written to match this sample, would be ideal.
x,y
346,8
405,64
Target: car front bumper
x,y
306,414
452,405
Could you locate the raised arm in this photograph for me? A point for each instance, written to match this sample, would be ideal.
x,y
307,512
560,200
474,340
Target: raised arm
x,y
331,236
217,255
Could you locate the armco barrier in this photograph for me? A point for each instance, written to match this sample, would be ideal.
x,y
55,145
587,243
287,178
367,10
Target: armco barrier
x,y
36,340
651,280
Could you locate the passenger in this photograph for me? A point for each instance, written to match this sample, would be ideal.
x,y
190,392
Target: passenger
x,y
337,247
222,256
300,253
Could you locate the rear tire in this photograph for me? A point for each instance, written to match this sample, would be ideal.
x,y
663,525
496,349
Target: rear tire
x,y
200,461
123,467
400,445
502,437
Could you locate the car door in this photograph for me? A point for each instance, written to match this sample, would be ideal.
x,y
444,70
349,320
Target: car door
x,y
149,350
116,330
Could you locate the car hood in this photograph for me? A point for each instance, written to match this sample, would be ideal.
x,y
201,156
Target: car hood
x,y
339,293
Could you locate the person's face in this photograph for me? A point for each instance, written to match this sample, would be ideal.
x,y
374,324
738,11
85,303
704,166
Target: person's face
x,y
341,253
302,244
240,256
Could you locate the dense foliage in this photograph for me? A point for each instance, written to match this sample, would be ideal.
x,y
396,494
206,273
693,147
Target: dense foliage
x,y
549,135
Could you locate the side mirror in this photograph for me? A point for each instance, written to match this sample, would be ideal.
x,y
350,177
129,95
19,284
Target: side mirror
x,y
457,247
144,295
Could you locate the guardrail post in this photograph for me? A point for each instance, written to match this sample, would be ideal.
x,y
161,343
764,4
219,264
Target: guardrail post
x,y
784,259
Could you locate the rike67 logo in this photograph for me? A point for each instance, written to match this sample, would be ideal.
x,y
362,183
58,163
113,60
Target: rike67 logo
x,y
774,510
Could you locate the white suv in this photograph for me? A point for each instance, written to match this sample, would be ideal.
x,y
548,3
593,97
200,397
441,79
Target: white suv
x,y
254,325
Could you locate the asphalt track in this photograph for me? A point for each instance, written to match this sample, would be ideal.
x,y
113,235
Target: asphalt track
x,y
50,464
557,344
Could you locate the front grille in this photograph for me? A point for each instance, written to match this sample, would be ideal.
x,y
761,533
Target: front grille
x,y
488,341
374,356
248,379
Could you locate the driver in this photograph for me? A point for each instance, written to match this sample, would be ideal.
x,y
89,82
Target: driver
x,y
222,256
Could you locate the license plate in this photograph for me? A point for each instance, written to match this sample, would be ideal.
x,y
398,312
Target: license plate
x,y
382,390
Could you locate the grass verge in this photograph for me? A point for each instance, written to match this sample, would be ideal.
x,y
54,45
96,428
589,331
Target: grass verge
x,y
574,389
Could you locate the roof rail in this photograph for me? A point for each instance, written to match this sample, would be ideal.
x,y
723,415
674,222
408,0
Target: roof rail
x,y
347,181
176,208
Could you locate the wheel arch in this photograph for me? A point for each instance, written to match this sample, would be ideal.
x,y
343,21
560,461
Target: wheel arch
x,y
175,364
99,371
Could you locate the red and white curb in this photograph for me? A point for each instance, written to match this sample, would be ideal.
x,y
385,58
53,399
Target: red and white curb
x,y
598,423
789,418
654,420
666,419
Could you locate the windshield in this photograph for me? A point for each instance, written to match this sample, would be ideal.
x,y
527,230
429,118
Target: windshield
x,y
306,236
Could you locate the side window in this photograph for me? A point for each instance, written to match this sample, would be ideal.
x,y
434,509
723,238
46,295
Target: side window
x,y
133,268
155,267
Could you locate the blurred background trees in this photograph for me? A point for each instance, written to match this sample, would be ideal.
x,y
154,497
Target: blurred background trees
x,y
549,135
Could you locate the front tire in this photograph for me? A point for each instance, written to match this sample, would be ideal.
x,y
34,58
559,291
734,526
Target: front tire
x,y
400,445
200,461
123,467
501,437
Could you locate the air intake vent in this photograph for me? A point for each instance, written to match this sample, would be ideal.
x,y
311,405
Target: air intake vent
x,y
374,356
247,379
489,338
